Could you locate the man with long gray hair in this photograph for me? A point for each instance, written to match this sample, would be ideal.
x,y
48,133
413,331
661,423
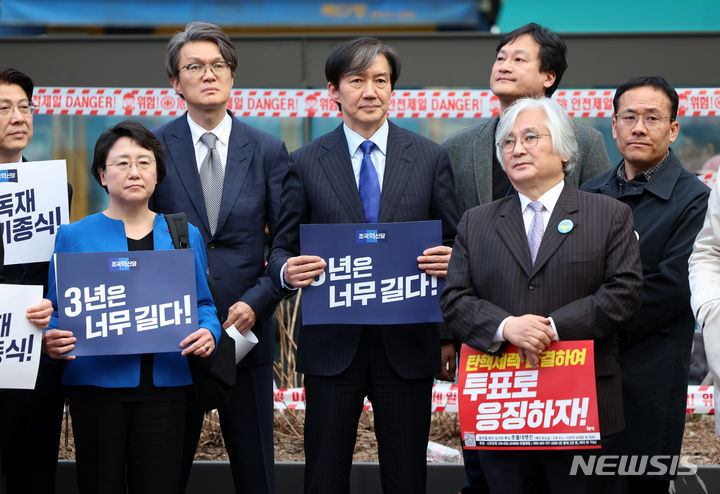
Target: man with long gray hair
x,y
550,263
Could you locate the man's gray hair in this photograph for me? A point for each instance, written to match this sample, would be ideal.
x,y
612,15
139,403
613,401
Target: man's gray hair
x,y
199,31
558,123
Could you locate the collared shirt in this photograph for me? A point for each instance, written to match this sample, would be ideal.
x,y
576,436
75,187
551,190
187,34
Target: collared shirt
x,y
377,155
548,199
642,176
222,132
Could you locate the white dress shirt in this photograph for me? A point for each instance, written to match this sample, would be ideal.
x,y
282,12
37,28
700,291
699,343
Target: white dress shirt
x,y
549,199
377,155
221,131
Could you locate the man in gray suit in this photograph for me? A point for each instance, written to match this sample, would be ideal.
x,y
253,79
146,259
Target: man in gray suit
x,y
530,62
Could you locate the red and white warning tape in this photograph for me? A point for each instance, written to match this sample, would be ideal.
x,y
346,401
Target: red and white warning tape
x,y
302,103
444,399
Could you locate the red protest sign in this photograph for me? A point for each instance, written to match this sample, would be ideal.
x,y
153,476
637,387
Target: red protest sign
x,y
505,404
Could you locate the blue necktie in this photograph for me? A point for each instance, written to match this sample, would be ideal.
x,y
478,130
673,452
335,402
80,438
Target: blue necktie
x,y
369,184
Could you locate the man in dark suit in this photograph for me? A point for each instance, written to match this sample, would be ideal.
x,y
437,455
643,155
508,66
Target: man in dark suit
x,y
530,61
30,420
548,264
366,170
668,204
227,177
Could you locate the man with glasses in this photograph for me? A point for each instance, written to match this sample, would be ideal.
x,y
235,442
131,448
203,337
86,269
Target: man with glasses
x,y
550,263
529,62
30,420
668,204
227,178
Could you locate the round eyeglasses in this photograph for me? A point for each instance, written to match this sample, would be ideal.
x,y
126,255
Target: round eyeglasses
x,y
528,140
198,69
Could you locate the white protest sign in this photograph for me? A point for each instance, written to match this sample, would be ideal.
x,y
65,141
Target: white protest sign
x,y
33,203
20,341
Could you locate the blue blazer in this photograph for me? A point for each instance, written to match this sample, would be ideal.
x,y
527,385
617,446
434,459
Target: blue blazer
x,y
98,233
256,165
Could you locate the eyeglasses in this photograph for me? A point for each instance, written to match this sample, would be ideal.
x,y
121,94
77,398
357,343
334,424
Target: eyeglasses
x,y
529,140
124,166
198,69
629,119
24,107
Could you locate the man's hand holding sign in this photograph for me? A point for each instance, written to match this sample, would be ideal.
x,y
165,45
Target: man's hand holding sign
x,y
546,268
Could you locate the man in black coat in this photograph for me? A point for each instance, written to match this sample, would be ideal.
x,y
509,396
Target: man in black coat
x,y
668,204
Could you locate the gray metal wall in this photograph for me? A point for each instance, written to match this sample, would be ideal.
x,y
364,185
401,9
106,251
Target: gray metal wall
x,y
429,59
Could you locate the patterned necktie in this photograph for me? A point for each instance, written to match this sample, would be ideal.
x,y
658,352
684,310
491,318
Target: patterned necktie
x,y
369,185
211,177
535,233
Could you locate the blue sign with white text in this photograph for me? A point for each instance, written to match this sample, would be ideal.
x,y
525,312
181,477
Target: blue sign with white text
x,y
372,274
121,303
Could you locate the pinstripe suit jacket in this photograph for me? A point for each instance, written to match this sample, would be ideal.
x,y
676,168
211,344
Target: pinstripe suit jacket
x,y
320,188
588,280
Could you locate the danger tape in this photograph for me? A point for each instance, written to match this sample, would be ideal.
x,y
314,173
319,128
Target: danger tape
x,y
303,103
444,399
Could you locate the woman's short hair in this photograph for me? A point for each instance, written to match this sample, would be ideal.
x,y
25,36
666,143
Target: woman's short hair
x,y
136,132
558,123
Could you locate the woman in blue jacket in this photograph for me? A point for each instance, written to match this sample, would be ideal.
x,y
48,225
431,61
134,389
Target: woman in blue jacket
x,y
128,411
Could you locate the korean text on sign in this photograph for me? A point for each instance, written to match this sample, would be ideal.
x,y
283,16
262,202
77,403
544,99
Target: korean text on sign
x,y
506,404
127,302
372,276
33,203
19,339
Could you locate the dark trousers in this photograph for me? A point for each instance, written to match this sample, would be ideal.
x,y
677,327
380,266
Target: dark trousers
x,y
548,471
401,411
475,478
30,422
128,446
247,427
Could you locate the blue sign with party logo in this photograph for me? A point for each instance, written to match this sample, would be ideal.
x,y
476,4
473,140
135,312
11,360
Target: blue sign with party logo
x,y
121,303
372,274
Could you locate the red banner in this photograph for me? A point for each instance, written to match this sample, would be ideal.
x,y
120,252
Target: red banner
x,y
505,404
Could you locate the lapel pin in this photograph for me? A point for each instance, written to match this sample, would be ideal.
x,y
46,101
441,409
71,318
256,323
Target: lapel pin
x,y
565,226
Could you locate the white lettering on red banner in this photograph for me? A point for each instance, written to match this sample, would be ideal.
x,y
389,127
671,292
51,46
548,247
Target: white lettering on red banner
x,y
304,103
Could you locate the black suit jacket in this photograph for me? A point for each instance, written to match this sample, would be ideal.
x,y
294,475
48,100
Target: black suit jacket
x,y
588,280
256,164
320,188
